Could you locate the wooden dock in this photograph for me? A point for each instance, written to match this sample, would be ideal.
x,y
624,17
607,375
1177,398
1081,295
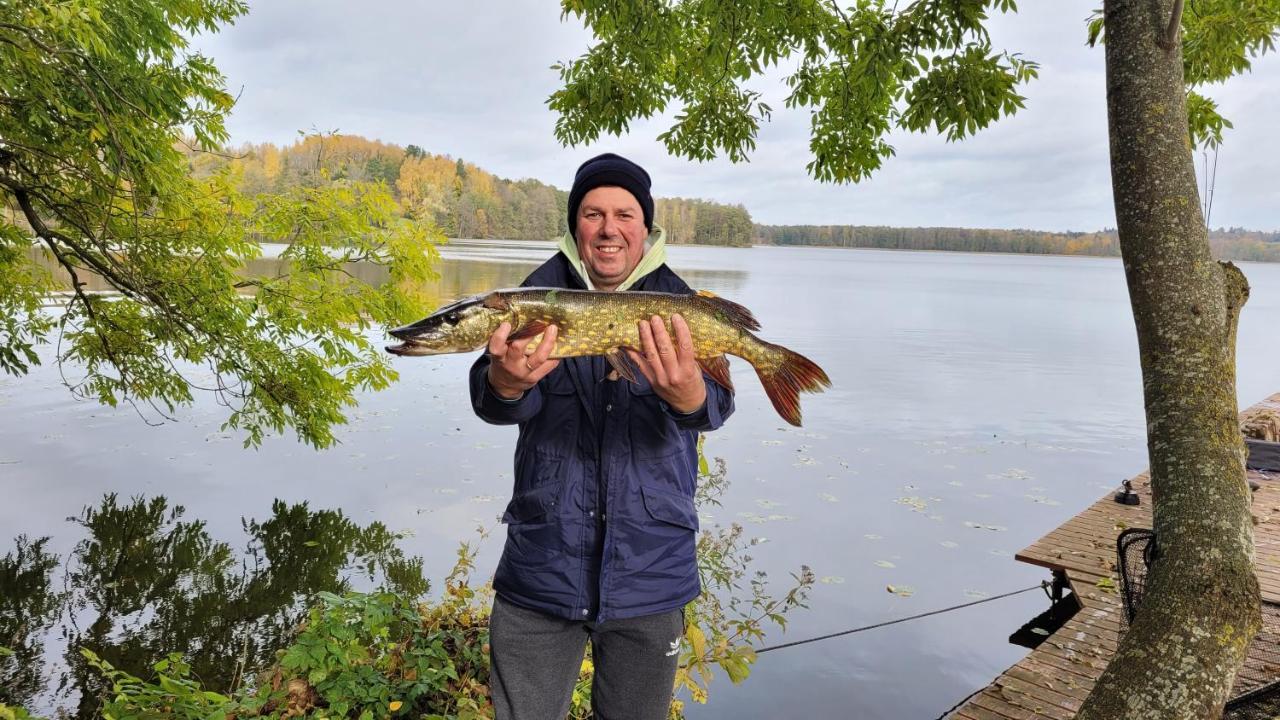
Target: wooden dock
x,y
1053,679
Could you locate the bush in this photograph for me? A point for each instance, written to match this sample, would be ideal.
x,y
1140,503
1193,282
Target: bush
x,y
381,655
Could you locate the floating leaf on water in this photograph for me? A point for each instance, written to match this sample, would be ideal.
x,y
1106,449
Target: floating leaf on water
x,y
1042,500
759,540
872,536
767,504
956,483
781,517
977,594
1013,474
447,491
949,544
829,497
901,590
831,580
771,443
982,496
914,503
804,461
885,564
980,526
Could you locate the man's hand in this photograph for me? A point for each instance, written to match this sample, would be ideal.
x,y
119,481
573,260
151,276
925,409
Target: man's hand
x,y
511,372
671,368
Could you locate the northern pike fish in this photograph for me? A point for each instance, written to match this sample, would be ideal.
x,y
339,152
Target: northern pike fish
x,y
605,323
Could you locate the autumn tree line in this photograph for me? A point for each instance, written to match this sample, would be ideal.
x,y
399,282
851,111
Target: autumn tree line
x,y
461,199
464,200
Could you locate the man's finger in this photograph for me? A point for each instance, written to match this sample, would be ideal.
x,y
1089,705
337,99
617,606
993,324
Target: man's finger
x,y
650,349
684,339
498,340
515,350
545,347
662,341
541,371
640,362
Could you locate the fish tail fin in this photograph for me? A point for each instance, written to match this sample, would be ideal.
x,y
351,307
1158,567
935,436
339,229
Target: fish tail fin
x,y
787,375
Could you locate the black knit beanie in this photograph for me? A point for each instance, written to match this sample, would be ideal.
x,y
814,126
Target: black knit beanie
x,y
610,169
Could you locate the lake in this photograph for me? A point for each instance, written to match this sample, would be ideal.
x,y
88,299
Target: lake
x,y
978,401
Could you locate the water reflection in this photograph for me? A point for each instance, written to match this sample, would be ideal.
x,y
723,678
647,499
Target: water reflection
x,y
145,582
28,607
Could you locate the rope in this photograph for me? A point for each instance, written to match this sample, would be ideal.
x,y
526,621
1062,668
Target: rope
x,y
901,620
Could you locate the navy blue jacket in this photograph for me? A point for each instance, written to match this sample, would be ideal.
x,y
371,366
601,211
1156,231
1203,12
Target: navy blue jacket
x,y
601,523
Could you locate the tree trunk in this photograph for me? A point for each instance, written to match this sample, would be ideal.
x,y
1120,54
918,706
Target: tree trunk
x,y
1201,609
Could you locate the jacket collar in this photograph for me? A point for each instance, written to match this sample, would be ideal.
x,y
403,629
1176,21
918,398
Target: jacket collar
x,y
655,254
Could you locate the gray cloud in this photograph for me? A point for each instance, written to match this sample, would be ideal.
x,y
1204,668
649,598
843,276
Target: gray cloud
x,y
471,80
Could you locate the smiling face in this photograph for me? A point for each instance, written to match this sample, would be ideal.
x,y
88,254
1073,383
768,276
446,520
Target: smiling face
x,y
610,235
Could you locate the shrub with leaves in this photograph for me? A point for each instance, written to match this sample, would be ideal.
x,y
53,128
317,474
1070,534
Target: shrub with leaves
x,y
381,655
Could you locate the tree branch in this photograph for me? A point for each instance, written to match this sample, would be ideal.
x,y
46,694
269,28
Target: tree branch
x,y
1170,39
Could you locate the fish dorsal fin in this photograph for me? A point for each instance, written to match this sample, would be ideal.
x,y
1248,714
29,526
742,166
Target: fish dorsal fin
x,y
718,368
732,312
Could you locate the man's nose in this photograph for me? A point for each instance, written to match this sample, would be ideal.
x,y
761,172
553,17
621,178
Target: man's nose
x,y
609,227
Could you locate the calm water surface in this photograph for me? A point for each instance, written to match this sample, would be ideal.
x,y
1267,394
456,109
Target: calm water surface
x,y
978,402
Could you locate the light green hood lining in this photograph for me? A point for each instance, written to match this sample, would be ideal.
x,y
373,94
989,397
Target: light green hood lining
x,y
655,254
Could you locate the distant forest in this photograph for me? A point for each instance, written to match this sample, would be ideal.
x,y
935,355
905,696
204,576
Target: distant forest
x,y
1226,244
461,199
466,201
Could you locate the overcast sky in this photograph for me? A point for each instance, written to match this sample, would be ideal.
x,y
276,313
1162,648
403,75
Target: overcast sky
x,y
471,80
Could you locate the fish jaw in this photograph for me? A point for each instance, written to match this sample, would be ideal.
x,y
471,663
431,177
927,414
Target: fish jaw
x,y
460,327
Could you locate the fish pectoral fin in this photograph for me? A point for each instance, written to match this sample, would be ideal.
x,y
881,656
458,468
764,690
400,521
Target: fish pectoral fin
x,y
718,368
528,330
621,364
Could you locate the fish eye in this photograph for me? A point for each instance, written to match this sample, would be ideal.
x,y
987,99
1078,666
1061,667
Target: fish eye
x,y
453,318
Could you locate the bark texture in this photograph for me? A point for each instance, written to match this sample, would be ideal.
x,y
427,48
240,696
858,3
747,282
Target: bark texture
x,y
1180,658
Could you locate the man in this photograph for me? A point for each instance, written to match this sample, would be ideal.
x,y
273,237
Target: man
x,y
601,525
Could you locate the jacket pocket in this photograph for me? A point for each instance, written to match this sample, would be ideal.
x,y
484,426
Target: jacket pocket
x,y
532,506
669,507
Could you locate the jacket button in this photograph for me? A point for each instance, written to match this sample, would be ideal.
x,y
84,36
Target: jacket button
x,y
584,611
591,513
608,408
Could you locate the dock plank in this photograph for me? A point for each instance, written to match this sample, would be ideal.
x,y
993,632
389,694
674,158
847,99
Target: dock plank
x,y
1054,679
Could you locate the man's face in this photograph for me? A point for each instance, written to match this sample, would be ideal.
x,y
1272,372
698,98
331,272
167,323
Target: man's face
x,y
610,235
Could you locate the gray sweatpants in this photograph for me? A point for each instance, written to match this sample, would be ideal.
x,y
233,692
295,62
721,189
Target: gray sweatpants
x,y
535,661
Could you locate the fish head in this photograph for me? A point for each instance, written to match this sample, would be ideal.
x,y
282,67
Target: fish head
x,y
462,326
